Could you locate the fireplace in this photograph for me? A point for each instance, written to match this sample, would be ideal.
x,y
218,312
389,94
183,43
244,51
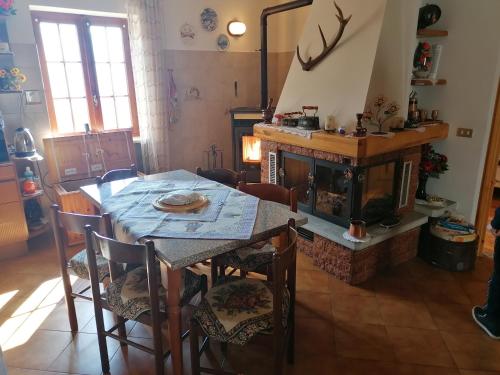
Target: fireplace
x,y
338,192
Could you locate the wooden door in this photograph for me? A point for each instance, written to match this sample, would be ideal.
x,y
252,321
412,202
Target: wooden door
x,y
489,175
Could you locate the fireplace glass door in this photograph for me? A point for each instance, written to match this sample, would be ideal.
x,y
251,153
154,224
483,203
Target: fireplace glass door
x,y
378,186
333,200
296,171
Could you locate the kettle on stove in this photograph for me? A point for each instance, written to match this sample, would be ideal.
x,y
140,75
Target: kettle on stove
x,y
24,143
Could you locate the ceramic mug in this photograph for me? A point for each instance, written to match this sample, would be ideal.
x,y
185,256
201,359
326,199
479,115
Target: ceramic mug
x,y
357,228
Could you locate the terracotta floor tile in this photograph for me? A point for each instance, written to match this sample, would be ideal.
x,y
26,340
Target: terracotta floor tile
x,y
345,366
394,287
58,320
473,351
313,305
81,356
314,336
311,364
39,351
453,317
364,341
357,310
305,262
474,372
476,291
339,288
443,291
404,313
318,281
420,347
421,270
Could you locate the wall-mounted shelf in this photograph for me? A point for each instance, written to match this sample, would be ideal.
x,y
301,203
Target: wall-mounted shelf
x,y
10,91
428,82
430,33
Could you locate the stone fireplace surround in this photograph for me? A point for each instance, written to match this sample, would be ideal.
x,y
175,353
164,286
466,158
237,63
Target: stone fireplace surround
x,y
349,262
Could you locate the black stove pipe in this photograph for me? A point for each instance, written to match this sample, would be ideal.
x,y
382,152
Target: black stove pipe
x,y
263,42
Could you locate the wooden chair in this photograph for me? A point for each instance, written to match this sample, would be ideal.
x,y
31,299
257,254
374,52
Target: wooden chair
x,y
248,307
224,176
259,256
135,295
78,264
117,174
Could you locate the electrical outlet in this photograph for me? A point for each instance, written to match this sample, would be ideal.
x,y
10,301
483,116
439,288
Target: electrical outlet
x,y
464,132
33,97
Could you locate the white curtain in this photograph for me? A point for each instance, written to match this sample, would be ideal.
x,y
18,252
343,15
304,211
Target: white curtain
x,y
146,29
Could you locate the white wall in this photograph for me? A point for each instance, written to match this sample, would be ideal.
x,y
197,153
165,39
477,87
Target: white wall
x,y
471,64
339,84
392,68
20,27
284,29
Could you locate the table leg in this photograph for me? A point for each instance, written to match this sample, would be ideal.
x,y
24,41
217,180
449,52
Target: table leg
x,y
173,278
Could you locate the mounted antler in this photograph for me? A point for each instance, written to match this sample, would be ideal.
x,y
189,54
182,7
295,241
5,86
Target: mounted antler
x,y
327,49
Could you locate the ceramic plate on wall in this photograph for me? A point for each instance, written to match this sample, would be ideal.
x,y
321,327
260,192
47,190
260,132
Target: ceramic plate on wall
x,y
209,19
222,42
187,32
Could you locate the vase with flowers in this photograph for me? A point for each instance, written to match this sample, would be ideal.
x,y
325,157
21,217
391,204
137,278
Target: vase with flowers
x,y
7,8
432,164
422,60
11,79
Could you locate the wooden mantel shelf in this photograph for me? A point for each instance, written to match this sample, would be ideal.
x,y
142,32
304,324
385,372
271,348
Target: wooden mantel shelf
x,y
356,147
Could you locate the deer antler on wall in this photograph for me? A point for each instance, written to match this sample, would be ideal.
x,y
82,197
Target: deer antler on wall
x,y
327,49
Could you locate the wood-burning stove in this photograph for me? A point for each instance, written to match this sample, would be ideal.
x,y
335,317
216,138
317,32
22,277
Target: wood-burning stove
x,y
338,192
242,122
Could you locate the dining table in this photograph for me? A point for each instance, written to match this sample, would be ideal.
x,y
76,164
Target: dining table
x,y
174,254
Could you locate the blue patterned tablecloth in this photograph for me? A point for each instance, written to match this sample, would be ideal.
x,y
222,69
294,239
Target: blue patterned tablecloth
x,y
229,214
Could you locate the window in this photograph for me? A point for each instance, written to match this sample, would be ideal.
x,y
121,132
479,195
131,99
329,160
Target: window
x,y
86,71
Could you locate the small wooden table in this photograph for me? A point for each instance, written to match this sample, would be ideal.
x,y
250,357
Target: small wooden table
x,y
175,254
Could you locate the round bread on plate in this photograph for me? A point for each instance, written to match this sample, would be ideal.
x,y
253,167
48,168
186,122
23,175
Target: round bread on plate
x,y
180,198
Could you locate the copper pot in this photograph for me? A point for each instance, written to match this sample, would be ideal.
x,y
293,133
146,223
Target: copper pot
x,y
357,229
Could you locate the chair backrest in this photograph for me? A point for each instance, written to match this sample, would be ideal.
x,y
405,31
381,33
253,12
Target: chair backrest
x,y
117,174
75,223
122,253
224,176
284,276
271,192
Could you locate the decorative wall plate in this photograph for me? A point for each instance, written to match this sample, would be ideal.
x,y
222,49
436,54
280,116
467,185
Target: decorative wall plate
x,y
209,19
222,42
187,31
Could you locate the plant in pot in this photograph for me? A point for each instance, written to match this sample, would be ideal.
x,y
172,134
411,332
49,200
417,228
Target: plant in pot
x,y
11,80
7,8
380,112
432,164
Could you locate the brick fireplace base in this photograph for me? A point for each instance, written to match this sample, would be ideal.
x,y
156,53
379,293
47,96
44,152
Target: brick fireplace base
x,y
355,267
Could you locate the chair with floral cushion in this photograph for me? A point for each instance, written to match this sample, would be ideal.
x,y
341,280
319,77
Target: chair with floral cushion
x,y
134,295
117,174
63,222
236,311
257,257
224,176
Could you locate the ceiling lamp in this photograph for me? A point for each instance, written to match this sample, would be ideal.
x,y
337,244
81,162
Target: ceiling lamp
x,y
236,28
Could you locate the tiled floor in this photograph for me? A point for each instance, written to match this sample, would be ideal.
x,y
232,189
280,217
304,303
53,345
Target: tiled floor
x,y
413,320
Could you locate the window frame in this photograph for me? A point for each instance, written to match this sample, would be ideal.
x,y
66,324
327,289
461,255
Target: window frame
x,y
83,23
